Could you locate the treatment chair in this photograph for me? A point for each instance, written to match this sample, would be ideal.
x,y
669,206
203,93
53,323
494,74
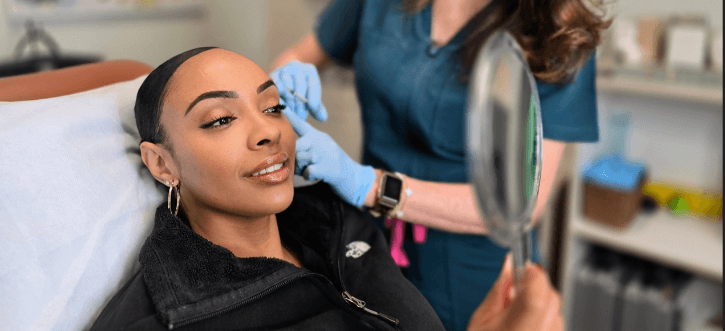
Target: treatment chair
x,y
71,80
76,202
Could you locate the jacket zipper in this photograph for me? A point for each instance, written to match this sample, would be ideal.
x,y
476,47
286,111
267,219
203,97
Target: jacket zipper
x,y
361,304
346,295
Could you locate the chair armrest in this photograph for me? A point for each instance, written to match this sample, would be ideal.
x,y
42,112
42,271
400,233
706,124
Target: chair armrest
x,y
70,80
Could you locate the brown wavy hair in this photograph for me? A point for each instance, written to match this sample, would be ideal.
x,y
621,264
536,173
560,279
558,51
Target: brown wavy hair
x,y
557,36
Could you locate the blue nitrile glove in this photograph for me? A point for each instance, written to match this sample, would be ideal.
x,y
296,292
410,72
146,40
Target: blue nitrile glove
x,y
318,157
304,80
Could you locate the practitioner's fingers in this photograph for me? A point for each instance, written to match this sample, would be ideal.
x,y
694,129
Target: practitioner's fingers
x,y
299,125
314,95
303,144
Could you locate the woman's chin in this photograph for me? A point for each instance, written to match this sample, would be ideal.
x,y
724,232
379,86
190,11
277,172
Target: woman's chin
x,y
283,203
281,199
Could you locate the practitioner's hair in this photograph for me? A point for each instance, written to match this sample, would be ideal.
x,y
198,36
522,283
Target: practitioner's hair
x,y
557,36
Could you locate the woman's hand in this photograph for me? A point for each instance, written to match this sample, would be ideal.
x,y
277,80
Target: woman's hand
x,y
318,157
303,79
536,307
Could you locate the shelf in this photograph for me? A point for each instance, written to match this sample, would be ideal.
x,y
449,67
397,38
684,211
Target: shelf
x,y
101,11
689,244
678,241
657,89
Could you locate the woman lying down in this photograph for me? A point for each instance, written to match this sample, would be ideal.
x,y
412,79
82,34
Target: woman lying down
x,y
238,248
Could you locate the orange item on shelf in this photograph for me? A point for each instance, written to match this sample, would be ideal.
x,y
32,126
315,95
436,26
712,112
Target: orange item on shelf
x,y
611,207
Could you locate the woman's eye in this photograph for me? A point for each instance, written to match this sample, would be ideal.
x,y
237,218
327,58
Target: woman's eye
x,y
218,122
275,109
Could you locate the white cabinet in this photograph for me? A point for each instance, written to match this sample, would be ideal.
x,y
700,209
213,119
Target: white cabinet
x,y
677,132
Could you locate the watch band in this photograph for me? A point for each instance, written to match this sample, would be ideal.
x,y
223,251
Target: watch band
x,y
389,194
397,212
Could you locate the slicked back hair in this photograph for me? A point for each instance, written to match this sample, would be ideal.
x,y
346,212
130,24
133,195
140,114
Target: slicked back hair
x,y
151,95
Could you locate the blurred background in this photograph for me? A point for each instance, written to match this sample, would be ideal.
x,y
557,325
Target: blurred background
x,y
646,256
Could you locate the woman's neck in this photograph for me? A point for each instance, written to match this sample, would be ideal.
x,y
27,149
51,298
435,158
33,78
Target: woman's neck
x,y
450,16
244,237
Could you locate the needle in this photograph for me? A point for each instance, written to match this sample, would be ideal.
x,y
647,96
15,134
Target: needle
x,y
302,99
297,95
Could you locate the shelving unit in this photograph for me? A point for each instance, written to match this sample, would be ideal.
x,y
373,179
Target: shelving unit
x,y
660,89
685,243
681,242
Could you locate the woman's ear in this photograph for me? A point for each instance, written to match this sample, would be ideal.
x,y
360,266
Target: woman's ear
x,y
158,160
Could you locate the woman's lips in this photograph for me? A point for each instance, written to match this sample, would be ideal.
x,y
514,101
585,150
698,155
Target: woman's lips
x,y
274,177
272,160
272,170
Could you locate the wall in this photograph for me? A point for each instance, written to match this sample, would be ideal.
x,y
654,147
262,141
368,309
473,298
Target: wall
x,y
712,9
289,21
679,141
149,41
237,25
240,26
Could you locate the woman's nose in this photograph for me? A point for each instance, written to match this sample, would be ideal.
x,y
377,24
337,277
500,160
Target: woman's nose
x,y
265,131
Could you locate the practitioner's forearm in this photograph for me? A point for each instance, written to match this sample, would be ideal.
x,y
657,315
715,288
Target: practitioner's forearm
x,y
453,207
307,50
447,207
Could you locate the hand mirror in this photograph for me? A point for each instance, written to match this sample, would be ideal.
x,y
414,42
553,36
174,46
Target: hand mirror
x,y
504,144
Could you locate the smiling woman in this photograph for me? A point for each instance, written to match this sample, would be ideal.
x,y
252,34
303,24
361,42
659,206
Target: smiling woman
x,y
219,126
242,249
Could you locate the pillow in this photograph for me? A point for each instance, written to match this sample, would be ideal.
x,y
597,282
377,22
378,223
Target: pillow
x,y
76,204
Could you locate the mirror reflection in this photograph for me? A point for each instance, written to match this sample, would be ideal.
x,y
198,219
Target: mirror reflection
x,y
504,143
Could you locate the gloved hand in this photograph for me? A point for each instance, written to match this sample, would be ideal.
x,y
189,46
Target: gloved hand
x,y
318,157
303,79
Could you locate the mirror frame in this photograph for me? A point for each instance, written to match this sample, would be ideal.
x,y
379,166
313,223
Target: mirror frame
x,y
479,127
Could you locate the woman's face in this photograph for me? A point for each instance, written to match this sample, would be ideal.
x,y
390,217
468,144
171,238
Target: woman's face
x,y
233,150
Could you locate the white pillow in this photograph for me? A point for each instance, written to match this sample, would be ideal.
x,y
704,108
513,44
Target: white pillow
x,y
76,204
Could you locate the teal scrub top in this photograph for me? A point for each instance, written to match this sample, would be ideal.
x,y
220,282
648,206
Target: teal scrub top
x,y
413,110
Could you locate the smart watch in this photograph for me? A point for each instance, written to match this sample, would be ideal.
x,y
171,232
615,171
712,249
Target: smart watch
x,y
391,187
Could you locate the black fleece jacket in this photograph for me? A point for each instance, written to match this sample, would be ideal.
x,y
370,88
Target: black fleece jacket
x,y
188,283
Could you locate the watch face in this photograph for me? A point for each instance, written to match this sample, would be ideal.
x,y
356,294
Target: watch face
x,y
392,187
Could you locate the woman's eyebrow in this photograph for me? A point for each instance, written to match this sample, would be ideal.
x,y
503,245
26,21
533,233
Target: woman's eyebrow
x,y
264,86
210,95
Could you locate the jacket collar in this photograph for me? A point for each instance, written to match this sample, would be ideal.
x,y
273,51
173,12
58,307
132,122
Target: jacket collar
x,y
189,277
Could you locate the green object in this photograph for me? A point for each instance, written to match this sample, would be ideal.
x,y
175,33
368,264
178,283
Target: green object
x,y
678,206
530,147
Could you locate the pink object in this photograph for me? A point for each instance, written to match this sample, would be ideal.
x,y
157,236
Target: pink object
x,y
419,233
389,221
397,234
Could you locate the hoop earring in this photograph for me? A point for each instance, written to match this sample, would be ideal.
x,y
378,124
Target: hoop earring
x,y
173,187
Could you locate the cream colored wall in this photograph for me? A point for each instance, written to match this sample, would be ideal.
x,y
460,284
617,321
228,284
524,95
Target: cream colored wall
x,y
238,25
289,21
149,41
711,9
